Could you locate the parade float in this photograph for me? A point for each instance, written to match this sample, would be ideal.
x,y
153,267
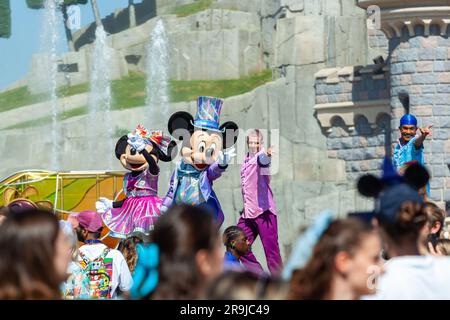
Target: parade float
x,y
64,192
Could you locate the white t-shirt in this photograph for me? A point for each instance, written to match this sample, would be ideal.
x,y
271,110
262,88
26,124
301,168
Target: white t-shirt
x,y
414,278
121,276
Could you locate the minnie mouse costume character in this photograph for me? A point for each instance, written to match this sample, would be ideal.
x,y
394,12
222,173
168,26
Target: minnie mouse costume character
x,y
138,152
203,160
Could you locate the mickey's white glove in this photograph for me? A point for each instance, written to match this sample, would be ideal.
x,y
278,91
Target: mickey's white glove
x,y
136,142
225,157
103,205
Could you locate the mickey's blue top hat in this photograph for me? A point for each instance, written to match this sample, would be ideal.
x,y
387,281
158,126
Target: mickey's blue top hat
x,y
208,113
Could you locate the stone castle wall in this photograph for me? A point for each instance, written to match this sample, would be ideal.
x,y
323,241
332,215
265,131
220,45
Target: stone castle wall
x,y
352,105
378,41
420,67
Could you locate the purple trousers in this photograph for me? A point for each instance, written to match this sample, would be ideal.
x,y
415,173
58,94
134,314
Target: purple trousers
x,y
265,225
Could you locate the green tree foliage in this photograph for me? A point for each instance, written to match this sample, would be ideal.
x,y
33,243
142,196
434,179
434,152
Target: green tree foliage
x,y
5,19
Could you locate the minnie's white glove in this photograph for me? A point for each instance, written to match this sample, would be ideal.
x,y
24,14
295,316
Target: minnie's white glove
x,y
136,142
103,205
163,209
225,157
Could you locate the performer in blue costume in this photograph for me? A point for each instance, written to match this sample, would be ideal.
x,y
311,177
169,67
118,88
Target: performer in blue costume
x,y
410,147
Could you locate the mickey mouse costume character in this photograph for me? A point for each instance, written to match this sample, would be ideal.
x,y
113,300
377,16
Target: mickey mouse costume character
x,y
203,160
138,152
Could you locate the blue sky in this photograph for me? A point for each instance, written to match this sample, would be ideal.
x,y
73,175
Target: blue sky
x,y
16,52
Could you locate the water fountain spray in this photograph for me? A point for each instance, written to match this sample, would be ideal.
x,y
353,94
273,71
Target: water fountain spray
x,y
49,46
100,121
157,86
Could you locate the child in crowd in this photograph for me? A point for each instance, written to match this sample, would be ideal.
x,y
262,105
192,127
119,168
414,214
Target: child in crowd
x,y
183,258
237,245
259,215
344,262
35,255
105,269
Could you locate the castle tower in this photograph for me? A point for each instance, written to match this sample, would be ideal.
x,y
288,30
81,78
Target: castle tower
x,y
419,58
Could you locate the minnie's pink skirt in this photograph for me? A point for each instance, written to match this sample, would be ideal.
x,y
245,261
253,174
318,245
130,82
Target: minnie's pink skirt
x,y
137,214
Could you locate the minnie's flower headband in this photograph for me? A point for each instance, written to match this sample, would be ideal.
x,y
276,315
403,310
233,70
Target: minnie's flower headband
x,y
156,137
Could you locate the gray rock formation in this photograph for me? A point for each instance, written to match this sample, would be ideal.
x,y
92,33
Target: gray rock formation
x,y
73,68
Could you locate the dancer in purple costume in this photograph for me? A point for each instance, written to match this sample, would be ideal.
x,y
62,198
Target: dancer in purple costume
x,y
259,216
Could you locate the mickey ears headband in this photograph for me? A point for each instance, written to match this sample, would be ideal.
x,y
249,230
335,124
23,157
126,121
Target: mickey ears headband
x,y
415,175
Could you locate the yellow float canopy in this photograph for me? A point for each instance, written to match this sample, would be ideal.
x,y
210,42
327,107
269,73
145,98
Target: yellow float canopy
x,y
65,192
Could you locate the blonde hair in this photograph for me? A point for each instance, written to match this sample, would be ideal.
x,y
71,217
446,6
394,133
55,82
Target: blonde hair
x,y
129,251
443,246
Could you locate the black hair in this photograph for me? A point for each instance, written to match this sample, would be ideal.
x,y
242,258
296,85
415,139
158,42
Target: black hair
x,y
96,234
230,234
